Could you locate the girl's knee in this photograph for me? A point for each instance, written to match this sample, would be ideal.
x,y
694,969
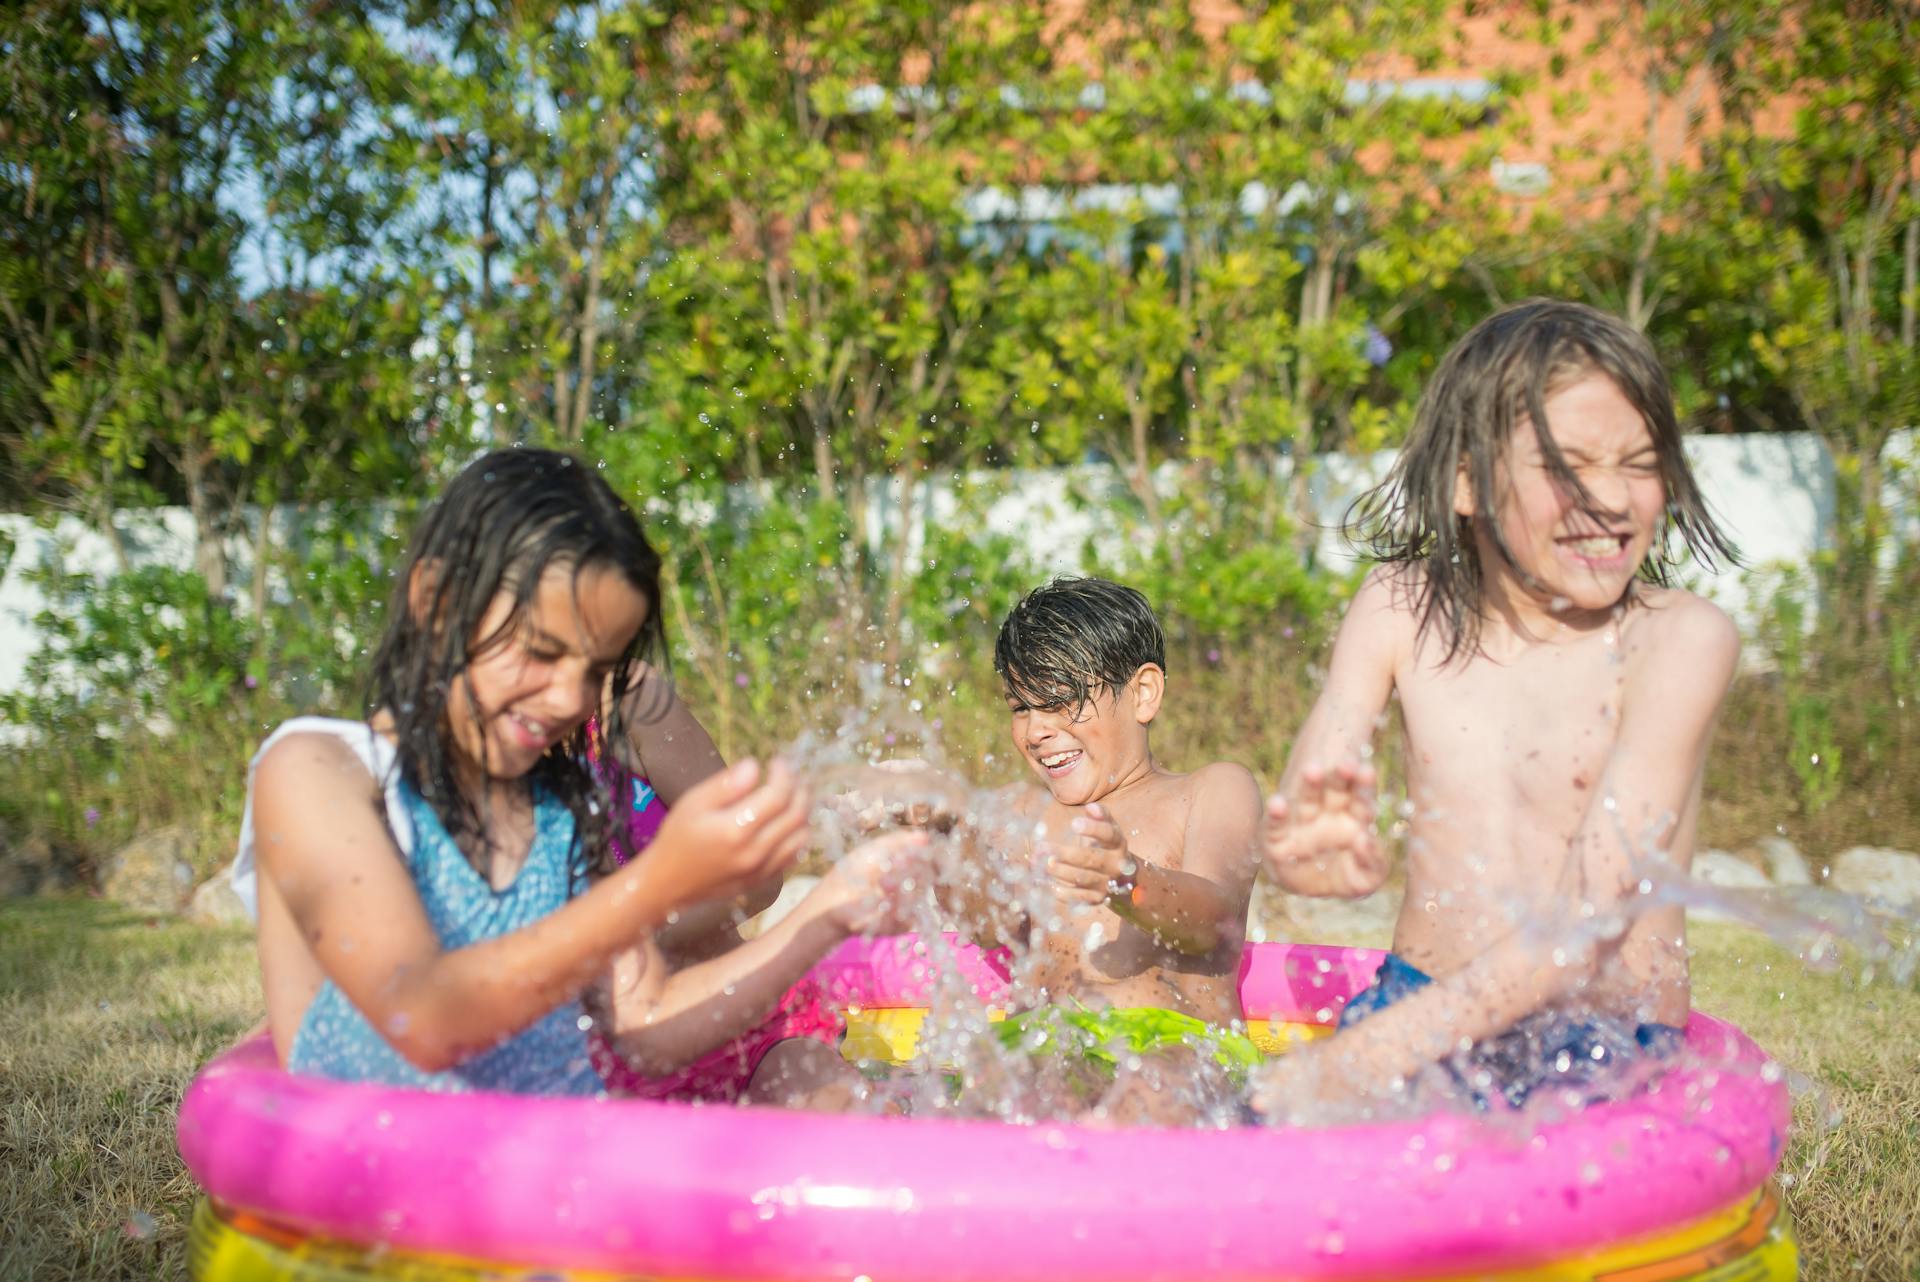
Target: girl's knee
x,y
803,1073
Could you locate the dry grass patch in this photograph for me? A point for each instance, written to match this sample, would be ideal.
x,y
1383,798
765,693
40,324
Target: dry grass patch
x,y
1852,1170
104,1018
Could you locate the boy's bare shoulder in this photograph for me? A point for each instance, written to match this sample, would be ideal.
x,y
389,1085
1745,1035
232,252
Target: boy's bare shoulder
x,y
1682,655
1223,782
1678,624
1389,600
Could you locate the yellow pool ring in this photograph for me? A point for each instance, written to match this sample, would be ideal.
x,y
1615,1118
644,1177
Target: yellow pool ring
x,y
1751,1241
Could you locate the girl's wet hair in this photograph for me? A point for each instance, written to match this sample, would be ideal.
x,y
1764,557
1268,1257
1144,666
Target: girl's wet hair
x,y
502,523
1068,640
1500,374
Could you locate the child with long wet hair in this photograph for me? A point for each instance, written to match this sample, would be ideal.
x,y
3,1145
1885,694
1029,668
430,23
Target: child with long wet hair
x,y
433,883
1558,697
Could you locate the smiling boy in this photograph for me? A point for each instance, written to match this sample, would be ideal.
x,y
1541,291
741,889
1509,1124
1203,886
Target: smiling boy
x,y
1150,870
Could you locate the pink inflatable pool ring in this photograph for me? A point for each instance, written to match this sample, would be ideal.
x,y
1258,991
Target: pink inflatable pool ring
x,y
313,1179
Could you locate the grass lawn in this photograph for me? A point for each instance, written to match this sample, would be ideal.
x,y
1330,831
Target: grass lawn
x,y
104,1016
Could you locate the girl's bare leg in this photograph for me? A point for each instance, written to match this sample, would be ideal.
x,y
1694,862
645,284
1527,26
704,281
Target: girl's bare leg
x,y
803,1073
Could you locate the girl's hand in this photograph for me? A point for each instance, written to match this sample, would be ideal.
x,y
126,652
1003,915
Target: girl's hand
x,y
1097,866
1324,841
869,891
731,831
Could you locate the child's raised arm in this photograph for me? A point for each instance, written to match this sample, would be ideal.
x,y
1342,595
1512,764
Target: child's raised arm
x,y
1318,835
1678,672
1191,908
328,860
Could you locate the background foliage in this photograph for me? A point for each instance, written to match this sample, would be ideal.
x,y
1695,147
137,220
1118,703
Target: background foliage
x,y
776,265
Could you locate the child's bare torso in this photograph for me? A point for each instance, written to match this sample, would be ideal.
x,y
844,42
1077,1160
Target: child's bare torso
x,y
1505,753
1093,955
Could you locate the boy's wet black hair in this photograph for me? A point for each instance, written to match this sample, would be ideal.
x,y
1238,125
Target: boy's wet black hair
x,y
1068,640
1501,373
501,524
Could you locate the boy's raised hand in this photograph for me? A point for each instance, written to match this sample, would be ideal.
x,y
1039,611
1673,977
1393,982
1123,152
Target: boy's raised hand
x,y
1096,866
916,796
869,890
1323,842
731,831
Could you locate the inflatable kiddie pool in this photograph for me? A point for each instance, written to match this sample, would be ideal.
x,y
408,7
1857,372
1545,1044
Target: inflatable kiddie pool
x,y
311,1180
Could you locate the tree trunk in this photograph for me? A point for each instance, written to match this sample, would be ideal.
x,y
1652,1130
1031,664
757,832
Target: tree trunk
x,y
1316,308
209,556
895,608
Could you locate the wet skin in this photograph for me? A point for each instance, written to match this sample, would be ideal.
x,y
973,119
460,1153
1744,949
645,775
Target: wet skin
x,y
1179,848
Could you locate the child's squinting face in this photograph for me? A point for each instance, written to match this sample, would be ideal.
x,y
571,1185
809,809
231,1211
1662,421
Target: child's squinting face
x,y
1581,559
1082,754
538,685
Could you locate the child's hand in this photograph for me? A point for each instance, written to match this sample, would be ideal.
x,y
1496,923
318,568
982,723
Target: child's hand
x,y
868,892
1324,842
731,831
1306,1087
1096,867
914,797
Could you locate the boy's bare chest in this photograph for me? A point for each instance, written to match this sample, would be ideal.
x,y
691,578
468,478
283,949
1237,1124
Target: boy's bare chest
x,y
1537,729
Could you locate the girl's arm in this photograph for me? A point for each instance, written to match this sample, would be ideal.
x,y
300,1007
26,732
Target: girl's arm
x,y
668,747
1319,835
661,1020
323,844
1675,684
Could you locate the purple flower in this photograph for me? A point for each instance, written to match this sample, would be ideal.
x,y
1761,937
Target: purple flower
x,y
92,816
253,682
1213,656
1378,347
740,679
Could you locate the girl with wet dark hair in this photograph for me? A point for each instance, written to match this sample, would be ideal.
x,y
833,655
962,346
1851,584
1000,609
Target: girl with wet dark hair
x,y
431,883
1558,697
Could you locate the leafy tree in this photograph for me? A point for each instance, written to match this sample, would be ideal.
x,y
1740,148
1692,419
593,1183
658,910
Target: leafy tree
x,y
196,288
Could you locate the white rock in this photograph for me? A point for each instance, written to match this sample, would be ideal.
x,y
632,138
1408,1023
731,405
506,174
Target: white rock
x,y
1892,876
1718,868
796,889
1786,866
152,873
215,904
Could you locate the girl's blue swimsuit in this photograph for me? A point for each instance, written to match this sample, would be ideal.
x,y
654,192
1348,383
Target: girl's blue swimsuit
x,y
550,1058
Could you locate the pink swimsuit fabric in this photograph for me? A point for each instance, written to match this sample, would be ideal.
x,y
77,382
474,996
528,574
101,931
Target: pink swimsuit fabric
x,y
721,1075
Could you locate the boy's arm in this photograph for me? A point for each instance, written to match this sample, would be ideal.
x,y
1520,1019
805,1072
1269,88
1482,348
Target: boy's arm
x,y
1318,834
1192,908
1675,685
